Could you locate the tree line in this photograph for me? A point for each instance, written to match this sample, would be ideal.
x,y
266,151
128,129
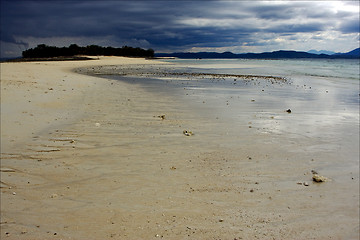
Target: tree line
x,y
44,51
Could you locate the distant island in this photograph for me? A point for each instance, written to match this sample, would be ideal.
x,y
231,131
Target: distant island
x,y
43,51
354,54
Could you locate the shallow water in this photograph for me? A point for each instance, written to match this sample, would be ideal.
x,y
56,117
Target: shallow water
x,y
332,68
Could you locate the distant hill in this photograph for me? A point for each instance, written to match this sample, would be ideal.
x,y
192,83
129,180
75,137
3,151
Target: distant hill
x,y
282,54
355,52
321,52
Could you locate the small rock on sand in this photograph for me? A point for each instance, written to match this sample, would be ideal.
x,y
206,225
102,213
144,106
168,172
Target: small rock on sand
x,y
318,178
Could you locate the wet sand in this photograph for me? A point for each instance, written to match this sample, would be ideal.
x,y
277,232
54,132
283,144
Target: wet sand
x,y
84,157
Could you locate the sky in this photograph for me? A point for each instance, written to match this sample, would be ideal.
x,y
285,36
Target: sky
x,y
187,26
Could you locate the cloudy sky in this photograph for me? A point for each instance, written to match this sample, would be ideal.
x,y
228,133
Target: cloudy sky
x,y
170,26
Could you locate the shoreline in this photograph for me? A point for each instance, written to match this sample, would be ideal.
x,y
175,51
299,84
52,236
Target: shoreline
x,y
96,158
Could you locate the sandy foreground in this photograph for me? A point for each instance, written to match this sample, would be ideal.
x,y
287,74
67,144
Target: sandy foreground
x,y
89,158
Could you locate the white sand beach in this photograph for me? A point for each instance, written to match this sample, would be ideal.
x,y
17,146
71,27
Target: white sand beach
x,y
84,157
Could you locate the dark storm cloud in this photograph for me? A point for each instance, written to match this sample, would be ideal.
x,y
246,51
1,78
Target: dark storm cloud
x,y
297,28
291,10
122,19
351,26
9,38
168,25
274,12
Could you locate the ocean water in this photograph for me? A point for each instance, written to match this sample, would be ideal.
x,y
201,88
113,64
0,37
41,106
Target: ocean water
x,y
324,85
331,68
331,85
